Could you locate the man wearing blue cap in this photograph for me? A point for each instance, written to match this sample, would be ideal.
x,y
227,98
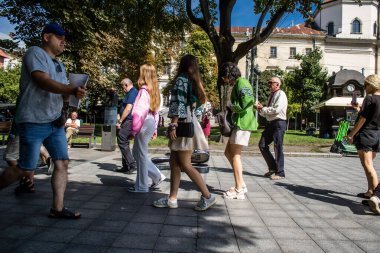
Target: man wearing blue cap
x,y
43,86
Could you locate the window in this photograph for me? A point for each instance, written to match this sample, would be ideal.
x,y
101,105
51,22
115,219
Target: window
x,y
273,52
374,29
308,51
356,26
293,52
330,29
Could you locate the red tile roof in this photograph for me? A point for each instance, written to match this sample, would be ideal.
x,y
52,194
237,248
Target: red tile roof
x,y
299,29
2,54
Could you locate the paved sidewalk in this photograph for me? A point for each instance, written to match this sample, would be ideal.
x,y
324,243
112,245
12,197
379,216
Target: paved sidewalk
x,y
313,210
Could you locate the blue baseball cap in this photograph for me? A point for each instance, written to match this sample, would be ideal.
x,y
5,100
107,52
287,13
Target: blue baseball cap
x,y
55,29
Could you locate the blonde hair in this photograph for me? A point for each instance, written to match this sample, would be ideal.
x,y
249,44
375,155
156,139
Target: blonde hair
x,y
148,77
374,83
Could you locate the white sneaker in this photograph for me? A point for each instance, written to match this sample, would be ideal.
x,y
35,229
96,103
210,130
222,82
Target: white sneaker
x,y
154,185
165,202
245,189
234,193
374,204
204,204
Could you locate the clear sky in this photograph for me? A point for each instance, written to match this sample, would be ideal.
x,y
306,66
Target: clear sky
x,y
242,15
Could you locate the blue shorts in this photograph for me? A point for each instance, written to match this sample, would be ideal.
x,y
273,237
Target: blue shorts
x,y
33,135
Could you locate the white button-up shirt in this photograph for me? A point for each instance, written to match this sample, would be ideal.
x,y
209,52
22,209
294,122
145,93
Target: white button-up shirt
x,y
276,107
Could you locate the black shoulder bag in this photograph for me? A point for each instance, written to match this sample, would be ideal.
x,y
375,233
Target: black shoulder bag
x,y
186,129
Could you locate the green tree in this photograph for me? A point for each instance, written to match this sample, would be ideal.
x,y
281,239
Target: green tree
x,y
270,13
8,45
307,81
9,84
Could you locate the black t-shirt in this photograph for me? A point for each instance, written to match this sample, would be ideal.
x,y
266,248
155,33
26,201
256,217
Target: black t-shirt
x,y
371,112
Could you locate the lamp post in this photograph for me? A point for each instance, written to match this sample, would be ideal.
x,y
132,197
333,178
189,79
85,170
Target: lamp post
x,y
248,34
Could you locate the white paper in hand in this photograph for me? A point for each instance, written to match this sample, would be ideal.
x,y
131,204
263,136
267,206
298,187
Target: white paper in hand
x,y
77,80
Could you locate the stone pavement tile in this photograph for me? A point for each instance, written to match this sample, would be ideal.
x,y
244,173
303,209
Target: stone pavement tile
x,y
299,246
210,231
344,223
324,234
136,241
56,235
252,232
214,219
124,207
249,245
175,244
41,220
40,247
337,246
8,244
91,213
244,221
311,222
115,215
272,213
325,207
301,214
81,223
95,238
279,222
108,225
150,218
5,206
12,217
182,212
80,248
243,212
288,233
220,245
79,196
266,206
359,234
96,205
181,221
123,250
26,208
18,231
369,247
178,231
139,228
238,204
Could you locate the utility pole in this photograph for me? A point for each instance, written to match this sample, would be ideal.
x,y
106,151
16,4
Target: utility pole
x,y
377,38
248,34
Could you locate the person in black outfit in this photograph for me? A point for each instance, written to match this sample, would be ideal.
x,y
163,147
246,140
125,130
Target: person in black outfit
x,y
125,126
366,137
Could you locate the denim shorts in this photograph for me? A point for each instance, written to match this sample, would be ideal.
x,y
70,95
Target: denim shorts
x,y
33,135
368,140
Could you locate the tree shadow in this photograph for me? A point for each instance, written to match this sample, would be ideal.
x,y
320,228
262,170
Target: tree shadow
x,y
327,196
106,166
228,170
108,180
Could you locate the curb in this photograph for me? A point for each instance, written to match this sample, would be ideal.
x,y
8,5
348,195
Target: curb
x,y
217,152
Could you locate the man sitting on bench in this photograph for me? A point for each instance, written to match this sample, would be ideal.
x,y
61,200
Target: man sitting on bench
x,y
72,127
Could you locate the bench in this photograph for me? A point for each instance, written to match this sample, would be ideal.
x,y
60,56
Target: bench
x,y
5,127
85,131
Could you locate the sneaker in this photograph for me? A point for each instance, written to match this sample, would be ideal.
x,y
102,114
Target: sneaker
x,y
134,190
50,165
374,204
165,202
122,170
276,177
204,204
131,169
154,185
234,194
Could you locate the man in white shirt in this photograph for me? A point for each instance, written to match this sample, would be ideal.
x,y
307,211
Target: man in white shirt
x,y
275,113
72,127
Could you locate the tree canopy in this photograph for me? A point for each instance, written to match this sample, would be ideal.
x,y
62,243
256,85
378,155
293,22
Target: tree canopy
x,y
110,39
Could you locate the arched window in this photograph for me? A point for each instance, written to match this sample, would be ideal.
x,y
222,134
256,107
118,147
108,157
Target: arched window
x,y
330,28
356,26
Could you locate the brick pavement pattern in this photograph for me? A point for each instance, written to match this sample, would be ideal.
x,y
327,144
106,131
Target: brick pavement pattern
x,y
313,210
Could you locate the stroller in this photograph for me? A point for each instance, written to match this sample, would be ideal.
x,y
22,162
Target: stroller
x,y
341,146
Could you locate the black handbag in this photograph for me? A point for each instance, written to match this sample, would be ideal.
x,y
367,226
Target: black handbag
x,y
225,122
185,129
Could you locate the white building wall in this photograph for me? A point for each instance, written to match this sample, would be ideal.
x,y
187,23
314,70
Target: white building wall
x,y
331,14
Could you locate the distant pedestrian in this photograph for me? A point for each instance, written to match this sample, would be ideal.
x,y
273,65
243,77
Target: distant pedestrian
x,y
43,78
244,122
187,90
148,104
125,127
366,137
206,123
72,127
275,114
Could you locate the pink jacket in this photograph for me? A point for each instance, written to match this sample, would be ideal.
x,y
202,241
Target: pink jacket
x,y
140,110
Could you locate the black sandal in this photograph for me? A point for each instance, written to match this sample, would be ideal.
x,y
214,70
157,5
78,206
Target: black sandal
x,y
64,214
25,186
363,196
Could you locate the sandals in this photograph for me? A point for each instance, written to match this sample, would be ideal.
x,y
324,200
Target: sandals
x,y
363,195
25,186
234,193
63,214
277,177
269,173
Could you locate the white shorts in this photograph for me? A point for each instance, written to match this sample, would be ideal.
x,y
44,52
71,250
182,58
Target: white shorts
x,y
240,137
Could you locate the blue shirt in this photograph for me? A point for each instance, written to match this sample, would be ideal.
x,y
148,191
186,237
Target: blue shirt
x,y
37,105
129,98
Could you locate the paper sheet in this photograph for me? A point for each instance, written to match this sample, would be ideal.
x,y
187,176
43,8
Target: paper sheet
x,y
77,80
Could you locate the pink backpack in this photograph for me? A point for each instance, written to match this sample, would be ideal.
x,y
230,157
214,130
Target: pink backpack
x,y
140,110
